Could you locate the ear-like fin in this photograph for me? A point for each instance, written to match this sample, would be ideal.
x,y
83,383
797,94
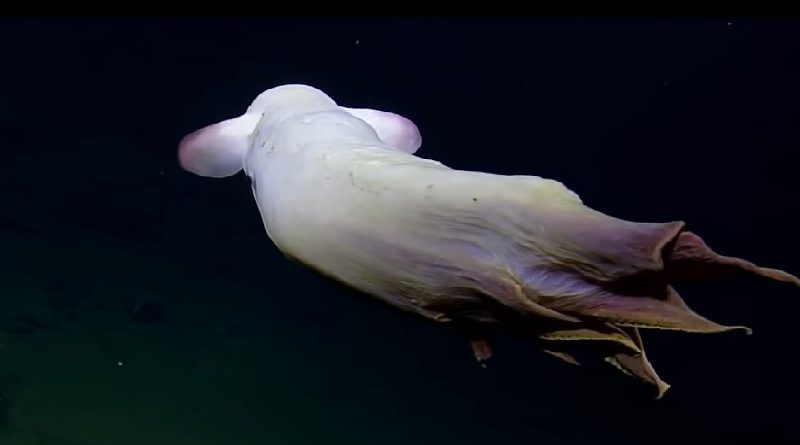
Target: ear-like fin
x,y
218,150
394,130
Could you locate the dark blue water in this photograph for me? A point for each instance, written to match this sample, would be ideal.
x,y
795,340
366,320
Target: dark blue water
x,y
142,304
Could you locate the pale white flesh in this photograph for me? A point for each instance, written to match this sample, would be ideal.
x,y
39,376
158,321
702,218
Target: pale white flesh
x,y
408,230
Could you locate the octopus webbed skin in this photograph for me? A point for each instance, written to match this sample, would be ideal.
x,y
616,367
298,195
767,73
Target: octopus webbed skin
x,y
341,190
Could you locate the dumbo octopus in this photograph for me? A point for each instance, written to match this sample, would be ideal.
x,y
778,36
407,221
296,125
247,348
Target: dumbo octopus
x,y
342,191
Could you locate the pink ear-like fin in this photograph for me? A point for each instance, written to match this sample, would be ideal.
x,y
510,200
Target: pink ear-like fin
x,y
394,130
218,150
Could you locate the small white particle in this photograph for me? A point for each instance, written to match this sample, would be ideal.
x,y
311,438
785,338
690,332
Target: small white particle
x,y
358,42
120,363
730,23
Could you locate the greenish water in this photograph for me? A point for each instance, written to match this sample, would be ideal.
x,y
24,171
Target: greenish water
x,y
221,368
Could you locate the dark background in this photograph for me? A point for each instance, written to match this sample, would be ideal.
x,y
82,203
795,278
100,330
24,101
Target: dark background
x,y
646,119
